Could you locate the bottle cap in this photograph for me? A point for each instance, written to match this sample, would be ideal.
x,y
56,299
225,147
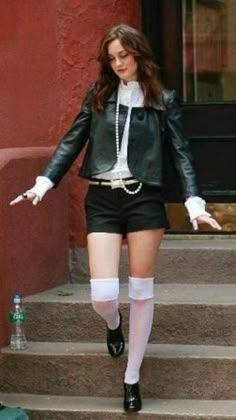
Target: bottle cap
x,y
16,298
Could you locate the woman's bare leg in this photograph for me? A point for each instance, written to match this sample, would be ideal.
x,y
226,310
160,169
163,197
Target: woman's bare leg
x,y
143,250
104,254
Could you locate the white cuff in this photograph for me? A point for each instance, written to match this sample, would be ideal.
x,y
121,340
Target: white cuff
x,y
41,186
196,207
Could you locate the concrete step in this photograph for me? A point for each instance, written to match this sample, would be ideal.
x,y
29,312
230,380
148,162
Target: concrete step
x,y
86,369
184,314
44,407
192,259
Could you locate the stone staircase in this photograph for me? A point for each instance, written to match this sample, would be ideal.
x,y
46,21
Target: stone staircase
x,y
189,372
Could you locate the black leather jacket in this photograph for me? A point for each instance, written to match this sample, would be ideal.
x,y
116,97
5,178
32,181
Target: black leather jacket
x,y
152,131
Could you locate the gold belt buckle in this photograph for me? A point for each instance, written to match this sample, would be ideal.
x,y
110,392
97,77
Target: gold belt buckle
x,y
115,183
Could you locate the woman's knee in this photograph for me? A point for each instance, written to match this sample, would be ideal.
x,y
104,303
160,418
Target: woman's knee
x,y
105,308
104,295
104,290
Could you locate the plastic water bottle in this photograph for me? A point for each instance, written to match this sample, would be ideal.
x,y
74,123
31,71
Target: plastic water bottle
x,y
17,320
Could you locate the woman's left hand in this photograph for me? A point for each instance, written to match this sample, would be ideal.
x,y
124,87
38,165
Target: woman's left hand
x,y
205,219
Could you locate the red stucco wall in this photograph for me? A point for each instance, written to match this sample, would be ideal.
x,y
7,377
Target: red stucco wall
x,y
31,260
30,76
33,240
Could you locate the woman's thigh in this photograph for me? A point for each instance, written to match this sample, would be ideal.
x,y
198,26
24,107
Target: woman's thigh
x,y
143,249
104,254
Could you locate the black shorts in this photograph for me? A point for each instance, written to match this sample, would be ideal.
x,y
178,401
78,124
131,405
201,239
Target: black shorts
x,y
115,211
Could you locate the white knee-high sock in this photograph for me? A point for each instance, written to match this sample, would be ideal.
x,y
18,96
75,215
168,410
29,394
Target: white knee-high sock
x,y
104,296
141,296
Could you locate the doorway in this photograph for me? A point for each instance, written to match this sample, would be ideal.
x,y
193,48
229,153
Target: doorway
x,y
194,42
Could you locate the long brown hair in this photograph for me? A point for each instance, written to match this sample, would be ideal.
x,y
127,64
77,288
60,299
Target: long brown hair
x,y
135,43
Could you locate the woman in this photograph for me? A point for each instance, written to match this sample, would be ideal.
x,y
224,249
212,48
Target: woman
x,y
124,115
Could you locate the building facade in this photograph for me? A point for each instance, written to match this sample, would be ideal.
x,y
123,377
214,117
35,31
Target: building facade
x,y
48,58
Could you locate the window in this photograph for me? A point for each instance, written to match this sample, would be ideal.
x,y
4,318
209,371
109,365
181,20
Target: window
x,y
209,50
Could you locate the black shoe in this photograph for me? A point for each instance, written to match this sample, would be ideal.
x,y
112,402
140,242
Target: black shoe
x,y
115,340
132,398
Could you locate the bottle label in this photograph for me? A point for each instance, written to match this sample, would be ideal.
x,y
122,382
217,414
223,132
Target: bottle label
x,y
17,316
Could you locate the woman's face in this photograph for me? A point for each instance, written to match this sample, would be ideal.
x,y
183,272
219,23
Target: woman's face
x,y
122,62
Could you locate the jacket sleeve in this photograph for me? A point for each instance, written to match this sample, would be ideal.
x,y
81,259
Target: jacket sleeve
x,y
71,144
179,145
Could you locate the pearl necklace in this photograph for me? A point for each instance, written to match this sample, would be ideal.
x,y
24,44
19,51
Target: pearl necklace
x,y
118,150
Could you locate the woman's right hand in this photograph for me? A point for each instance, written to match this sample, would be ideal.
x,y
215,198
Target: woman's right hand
x,y
36,193
34,198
